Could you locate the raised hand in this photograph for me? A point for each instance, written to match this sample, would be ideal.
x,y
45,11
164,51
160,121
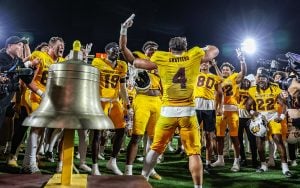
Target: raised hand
x,y
128,23
240,54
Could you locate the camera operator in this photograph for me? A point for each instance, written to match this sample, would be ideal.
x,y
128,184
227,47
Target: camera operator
x,y
292,96
12,69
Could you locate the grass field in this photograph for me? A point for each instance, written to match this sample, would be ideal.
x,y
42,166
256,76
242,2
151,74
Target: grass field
x,y
175,173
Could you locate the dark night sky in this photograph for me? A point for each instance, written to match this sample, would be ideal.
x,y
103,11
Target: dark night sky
x,y
273,23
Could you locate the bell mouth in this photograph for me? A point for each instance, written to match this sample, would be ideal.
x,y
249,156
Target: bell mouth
x,y
69,121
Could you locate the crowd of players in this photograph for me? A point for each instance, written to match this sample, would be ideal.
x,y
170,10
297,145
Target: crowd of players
x,y
152,94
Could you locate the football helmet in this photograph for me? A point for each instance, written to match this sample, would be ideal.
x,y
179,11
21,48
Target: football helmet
x,y
142,80
258,126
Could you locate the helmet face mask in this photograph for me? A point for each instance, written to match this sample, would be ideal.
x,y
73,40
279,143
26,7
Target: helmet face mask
x,y
142,80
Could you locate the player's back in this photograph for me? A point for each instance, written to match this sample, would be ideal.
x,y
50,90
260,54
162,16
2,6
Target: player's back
x,y
178,75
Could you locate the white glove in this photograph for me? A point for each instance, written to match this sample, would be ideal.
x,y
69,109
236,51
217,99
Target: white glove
x,y
240,54
128,23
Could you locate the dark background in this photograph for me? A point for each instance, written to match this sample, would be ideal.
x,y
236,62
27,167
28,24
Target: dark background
x,y
274,24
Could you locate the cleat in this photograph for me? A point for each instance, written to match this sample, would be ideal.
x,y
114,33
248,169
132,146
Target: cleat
x,y
288,174
141,159
12,161
101,156
155,176
218,163
49,156
85,168
294,163
114,168
30,169
96,172
235,168
261,170
77,156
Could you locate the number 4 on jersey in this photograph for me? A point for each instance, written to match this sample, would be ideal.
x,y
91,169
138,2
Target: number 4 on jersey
x,y
180,78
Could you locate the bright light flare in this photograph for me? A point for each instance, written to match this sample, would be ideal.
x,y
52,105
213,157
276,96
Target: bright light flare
x,y
248,46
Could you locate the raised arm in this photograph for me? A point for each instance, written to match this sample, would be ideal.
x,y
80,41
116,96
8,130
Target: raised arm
x,y
210,53
214,64
144,64
243,71
123,39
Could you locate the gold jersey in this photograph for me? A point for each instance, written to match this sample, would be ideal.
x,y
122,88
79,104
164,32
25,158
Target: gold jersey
x,y
205,86
155,81
243,97
45,62
266,100
110,77
230,90
178,75
140,55
41,76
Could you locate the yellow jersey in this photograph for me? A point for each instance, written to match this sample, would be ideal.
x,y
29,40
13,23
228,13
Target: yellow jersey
x,y
243,97
178,75
266,100
140,55
110,77
205,86
230,89
45,62
155,81
41,76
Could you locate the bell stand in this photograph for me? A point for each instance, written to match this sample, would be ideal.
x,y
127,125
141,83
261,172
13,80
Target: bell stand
x,y
66,178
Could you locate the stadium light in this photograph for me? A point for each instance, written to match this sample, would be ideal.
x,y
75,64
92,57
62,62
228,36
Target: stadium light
x,y
248,46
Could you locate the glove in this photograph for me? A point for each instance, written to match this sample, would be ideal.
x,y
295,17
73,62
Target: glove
x,y
128,23
240,54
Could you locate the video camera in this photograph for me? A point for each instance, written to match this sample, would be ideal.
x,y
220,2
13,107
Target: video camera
x,y
12,81
271,65
293,66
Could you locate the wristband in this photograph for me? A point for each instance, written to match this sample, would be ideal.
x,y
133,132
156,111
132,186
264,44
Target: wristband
x,y
282,116
123,31
39,92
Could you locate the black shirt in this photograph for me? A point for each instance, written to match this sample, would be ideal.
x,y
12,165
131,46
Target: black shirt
x,y
7,63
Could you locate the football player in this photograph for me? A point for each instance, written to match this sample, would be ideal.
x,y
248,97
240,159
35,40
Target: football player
x,y
244,118
54,54
178,70
112,83
265,95
205,88
146,115
230,111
